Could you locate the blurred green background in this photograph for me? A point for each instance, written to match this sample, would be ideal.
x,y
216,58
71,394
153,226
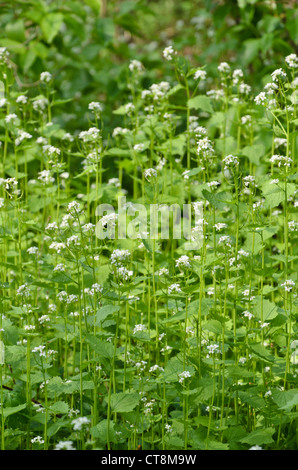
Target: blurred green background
x,y
87,44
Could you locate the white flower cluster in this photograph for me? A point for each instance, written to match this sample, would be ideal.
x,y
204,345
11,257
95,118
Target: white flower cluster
x,y
80,423
292,61
281,160
278,74
156,92
118,257
184,375
45,77
224,68
138,328
109,220
205,147
168,53
40,104
96,107
64,297
200,75
183,262
45,176
57,246
22,135
150,173
4,55
135,66
230,161
174,288
288,285
91,135
41,350
64,445
123,273
120,131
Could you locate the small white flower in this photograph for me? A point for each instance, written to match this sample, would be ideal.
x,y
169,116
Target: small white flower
x,y
246,119
224,68
60,267
109,219
64,445
96,107
91,135
261,98
264,324
184,375
200,75
118,257
237,76
58,247
11,118
32,250
288,285
168,53
150,173
139,327
45,77
278,74
45,177
44,319
22,99
213,348
183,261
220,226
40,104
174,288
37,440
292,61
139,147
80,423
135,66
230,161
123,273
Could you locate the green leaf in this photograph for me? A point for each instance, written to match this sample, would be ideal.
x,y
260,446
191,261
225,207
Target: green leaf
x,y
216,445
269,309
213,326
104,312
102,348
124,402
261,352
13,410
16,30
121,111
100,431
200,102
103,273
259,437
219,200
95,5
60,407
54,428
205,389
173,368
275,193
285,399
50,26
254,153
292,24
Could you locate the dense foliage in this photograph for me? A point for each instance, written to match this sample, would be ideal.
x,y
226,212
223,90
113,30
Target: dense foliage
x,y
158,342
